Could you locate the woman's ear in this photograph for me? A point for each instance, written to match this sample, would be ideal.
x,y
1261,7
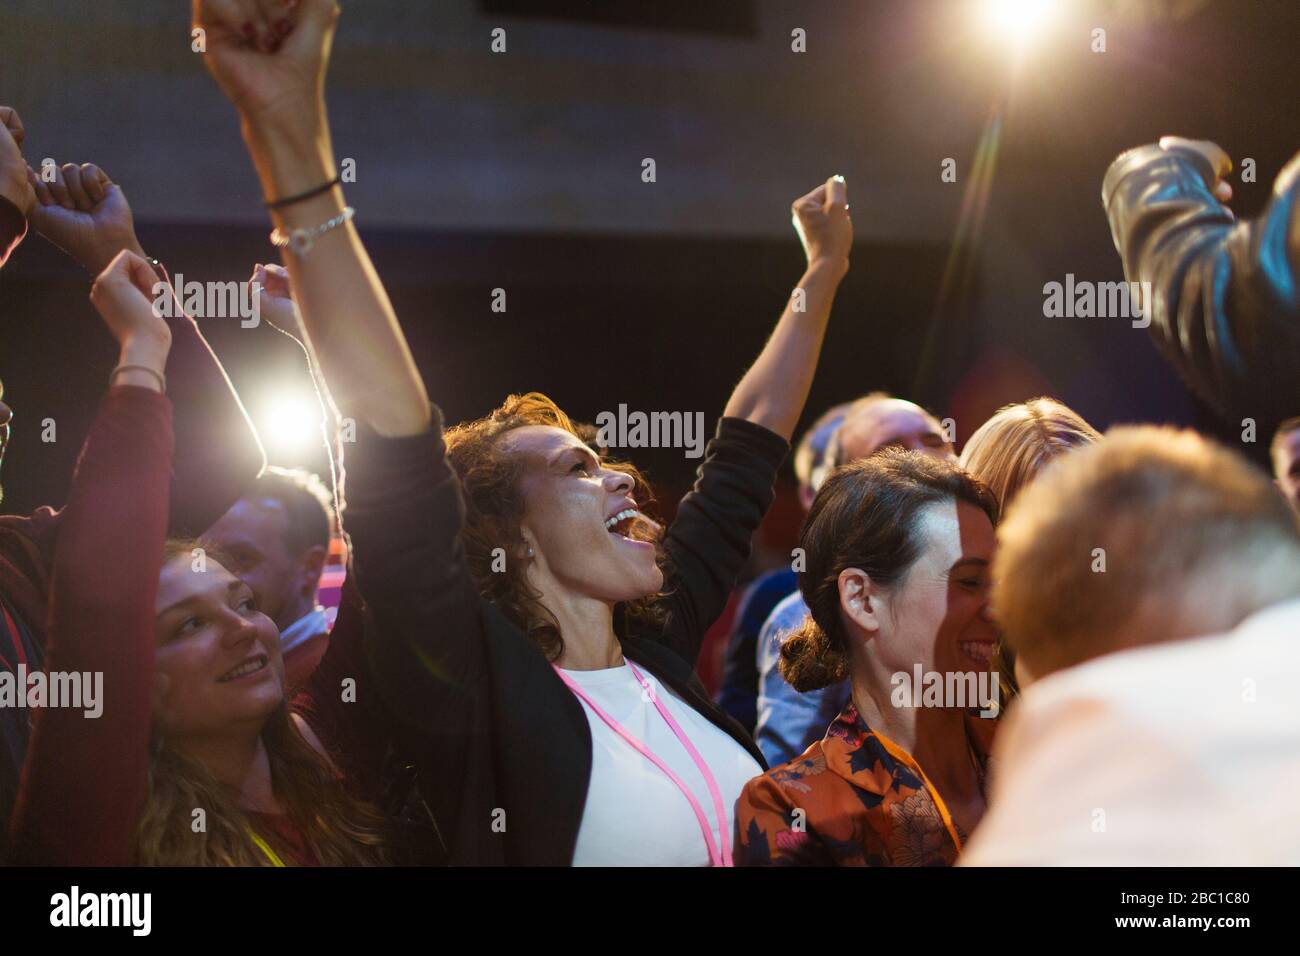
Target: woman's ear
x,y
524,550
860,600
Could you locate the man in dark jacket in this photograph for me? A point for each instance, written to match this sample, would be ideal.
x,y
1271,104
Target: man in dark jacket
x,y
1225,297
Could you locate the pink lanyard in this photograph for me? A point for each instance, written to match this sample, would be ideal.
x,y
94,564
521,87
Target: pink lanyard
x,y
715,858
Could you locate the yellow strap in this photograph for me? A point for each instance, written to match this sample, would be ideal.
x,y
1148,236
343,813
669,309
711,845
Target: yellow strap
x,y
265,848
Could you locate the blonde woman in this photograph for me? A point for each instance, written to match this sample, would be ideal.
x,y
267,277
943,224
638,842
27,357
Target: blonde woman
x,y
1006,452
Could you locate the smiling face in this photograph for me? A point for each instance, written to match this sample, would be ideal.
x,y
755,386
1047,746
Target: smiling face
x,y
253,534
218,657
937,615
577,516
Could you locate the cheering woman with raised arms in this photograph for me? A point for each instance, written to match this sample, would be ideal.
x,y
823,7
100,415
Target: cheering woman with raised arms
x,y
542,668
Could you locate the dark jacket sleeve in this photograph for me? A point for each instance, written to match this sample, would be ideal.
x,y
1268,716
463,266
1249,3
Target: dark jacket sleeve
x,y
1225,304
85,775
13,226
218,453
708,542
424,628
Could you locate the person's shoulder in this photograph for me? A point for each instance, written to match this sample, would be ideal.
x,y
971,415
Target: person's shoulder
x,y
1196,670
798,775
24,531
788,613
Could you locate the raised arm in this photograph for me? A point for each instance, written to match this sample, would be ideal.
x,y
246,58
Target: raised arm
x,y
16,195
84,778
708,542
82,211
1225,306
773,391
424,641
276,81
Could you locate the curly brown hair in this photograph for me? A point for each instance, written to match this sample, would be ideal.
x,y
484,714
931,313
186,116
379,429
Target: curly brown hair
x,y
494,512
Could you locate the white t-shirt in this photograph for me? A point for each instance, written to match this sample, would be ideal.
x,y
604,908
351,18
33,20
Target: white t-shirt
x,y
1178,754
635,815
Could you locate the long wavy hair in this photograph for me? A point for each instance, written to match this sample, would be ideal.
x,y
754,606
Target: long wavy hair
x,y
491,478
339,829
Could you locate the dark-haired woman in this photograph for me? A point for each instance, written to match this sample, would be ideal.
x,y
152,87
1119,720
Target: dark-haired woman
x,y
549,706
898,549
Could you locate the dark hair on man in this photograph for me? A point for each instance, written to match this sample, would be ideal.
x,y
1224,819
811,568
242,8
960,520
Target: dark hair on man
x,y
306,501
868,516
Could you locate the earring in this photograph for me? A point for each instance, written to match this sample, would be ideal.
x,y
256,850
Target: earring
x,y
530,550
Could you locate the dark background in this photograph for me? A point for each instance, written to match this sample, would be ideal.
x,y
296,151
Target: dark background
x,y
522,171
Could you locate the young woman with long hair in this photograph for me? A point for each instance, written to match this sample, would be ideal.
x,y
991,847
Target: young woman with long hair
x,y
195,758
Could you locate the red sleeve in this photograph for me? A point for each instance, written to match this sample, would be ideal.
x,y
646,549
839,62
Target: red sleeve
x,y
217,450
84,779
13,226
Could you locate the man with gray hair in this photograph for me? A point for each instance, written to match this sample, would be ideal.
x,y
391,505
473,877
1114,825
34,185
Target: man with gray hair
x,y
1150,586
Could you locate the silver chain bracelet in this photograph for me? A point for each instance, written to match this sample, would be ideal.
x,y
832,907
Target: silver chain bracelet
x,y
300,241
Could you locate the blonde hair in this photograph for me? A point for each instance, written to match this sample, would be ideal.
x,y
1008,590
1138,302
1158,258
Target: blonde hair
x,y
1005,453
1019,440
1167,511
339,829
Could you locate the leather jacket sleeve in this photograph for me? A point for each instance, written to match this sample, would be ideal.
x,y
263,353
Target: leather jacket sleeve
x,y
1224,302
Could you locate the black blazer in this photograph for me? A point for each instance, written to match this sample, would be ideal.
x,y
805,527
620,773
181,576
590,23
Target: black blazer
x,y
502,748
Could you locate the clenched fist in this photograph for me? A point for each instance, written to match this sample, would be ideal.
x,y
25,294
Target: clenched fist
x,y
277,305
123,294
84,213
14,185
822,220
1219,161
268,56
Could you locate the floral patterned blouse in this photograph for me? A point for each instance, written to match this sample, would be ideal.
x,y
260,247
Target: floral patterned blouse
x,y
854,798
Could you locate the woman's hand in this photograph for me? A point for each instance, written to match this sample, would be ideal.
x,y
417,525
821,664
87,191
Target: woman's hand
x,y
276,299
269,56
14,184
124,295
85,214
772,393
1214,154
822,220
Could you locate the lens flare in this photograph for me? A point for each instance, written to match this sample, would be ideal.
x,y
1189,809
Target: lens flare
x,y
290,424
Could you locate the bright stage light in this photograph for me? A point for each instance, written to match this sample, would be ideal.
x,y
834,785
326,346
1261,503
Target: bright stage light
x,y
289,424
1017,21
